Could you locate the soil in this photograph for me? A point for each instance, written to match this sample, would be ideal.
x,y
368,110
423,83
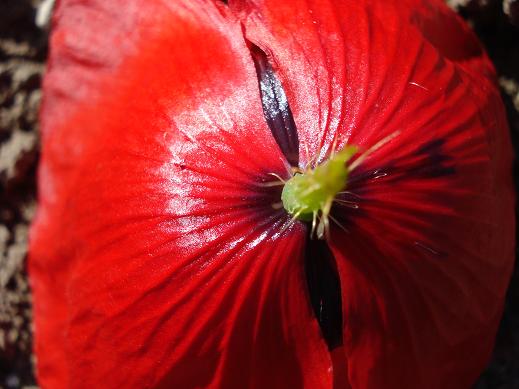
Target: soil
x,y
23,48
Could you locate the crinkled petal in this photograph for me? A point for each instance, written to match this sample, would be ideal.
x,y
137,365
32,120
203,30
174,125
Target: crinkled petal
x,y
425,244
157,259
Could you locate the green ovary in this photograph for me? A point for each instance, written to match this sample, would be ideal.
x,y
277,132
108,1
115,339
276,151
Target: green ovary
x,y
312,192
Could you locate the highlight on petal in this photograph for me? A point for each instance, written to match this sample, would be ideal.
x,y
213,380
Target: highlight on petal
x,y
168,130
172,268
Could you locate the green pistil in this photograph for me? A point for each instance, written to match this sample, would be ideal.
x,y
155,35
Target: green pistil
x,y
311,193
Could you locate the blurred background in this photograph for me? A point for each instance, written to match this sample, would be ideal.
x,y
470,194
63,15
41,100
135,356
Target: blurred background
x,y
23,50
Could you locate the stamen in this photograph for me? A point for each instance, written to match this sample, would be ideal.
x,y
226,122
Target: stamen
x,y
291,222
314,223
338,224
271,184
349,193
347,203
278,177
373,148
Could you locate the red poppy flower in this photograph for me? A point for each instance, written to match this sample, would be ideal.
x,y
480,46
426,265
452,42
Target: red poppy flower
x,y
163,254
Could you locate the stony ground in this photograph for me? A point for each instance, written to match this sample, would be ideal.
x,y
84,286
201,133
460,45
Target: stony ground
x,y
22,54
23,47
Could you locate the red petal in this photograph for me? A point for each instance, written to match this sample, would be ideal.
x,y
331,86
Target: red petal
x,y
156,257
427,257
362,80
145,140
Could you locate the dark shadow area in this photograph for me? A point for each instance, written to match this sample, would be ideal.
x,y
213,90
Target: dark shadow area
x,y
501,39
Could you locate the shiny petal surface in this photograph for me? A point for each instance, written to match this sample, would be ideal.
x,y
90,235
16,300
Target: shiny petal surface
x,y
426,239
157,260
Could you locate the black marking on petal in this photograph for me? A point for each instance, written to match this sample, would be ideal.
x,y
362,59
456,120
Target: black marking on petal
x,y
325,290
429,161
275,107
440,164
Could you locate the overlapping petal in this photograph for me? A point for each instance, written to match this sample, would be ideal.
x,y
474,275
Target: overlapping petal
x,y
157,259
427,250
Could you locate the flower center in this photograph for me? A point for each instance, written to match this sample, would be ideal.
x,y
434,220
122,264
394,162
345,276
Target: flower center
x,y
309,194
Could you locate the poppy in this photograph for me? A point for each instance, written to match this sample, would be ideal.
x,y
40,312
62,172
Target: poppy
x,y
169,250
